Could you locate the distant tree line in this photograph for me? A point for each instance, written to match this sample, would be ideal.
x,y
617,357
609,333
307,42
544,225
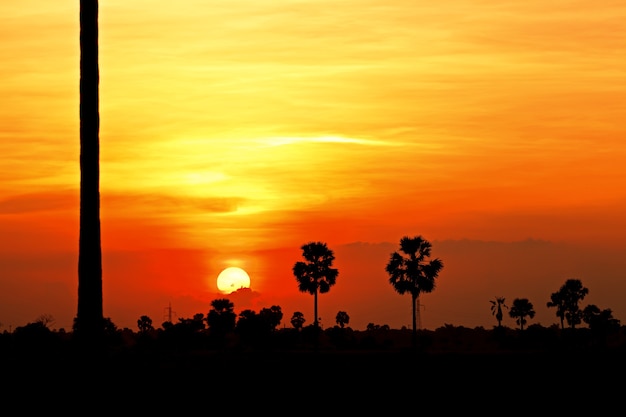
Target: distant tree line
x,y
411,271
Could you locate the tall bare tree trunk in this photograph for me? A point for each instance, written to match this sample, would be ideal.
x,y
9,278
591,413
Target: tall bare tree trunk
x,y
89,321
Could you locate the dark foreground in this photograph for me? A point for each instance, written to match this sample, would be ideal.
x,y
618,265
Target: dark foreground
x,y
316,383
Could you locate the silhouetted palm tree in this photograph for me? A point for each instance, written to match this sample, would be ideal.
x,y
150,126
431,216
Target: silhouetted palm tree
x,y
411,271
89,319
496,309
521,309
316,275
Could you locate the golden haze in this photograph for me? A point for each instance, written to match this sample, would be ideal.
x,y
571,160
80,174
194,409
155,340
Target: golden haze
x,y
235,132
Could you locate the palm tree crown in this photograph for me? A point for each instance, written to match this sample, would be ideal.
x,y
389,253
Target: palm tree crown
x,y
521,309
316,275
496,309
410,271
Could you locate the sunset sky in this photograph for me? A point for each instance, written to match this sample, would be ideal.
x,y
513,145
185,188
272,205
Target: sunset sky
x,y
234,131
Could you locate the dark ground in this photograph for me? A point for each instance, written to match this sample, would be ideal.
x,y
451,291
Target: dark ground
x,y
389,382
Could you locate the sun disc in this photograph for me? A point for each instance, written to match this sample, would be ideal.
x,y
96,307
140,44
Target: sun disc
x,y
231,279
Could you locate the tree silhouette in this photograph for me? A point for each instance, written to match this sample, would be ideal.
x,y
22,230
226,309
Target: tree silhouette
x,y
496,309
249,326
271,317
256,328
411,271
342,318
46,319
186,332
601,322
557,301
89,319
194,324
316,275
521,309
221,319
566,300
297,320
144,324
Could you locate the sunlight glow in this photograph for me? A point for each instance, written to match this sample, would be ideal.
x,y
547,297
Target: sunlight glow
x,y
231,279
279,141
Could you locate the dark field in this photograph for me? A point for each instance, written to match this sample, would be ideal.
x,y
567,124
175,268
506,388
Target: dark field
x,y
389,382
454,370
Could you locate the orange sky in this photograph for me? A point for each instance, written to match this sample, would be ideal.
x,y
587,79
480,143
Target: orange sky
x,y
233,132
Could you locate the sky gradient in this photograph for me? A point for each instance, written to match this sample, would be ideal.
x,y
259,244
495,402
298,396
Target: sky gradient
x,y
234,132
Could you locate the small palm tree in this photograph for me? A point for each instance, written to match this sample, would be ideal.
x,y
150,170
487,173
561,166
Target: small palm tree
x,y
316,275
410,271
496,309
521,309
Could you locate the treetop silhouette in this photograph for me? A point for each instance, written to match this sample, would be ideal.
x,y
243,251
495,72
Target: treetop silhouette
x,y
316,275
412,271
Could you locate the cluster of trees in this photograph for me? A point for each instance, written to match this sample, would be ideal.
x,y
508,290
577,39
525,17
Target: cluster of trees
x,y
566,301
411,271
221,322
221,329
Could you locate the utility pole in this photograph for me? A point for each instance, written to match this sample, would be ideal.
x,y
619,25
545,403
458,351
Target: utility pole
x,y
169,313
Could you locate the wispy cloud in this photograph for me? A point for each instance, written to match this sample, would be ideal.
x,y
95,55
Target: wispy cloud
x,y
51,201
280,141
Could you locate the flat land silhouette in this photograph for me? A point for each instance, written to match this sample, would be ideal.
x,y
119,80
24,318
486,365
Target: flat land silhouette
x,y
380,378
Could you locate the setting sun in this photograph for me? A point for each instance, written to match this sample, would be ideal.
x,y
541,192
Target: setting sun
x,y
231,279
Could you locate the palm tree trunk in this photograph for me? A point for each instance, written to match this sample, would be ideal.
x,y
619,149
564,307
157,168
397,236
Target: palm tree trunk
x,y
316,325
89,320
414,333
315,321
